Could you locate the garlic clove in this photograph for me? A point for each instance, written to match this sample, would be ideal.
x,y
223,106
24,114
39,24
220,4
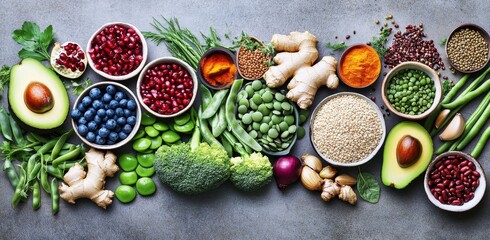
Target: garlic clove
x,y
310,179
312,161
442,117
454,129
328,172
345,179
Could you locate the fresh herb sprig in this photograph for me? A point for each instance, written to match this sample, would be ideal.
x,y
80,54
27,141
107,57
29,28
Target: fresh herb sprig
x,y
336,46
378,43
77,88
368,187
443,41
4,77
35,42
446,86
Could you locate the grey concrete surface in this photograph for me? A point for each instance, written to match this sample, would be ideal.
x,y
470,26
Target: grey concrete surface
x,y
227,213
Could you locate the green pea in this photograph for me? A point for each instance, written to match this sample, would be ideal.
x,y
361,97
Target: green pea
x,y
161,126
146,160
264,128
181,119
301,132
250,91
266,119
128,178
170,137
141,144
151,131
276,112
147,119
289,120
257,99
253,133
127,162
285,106
284,134
276,119
145,186
139,134
244,102
292,129
156,142
263,109
253,106
267,97
125,194
242,95
277,106
279,97
243,109
257,116
283,126
269,105
256,126
247,118
257,85
145,172
273,133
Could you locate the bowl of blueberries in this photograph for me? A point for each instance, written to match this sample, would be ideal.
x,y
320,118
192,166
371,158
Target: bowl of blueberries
x,y
106,115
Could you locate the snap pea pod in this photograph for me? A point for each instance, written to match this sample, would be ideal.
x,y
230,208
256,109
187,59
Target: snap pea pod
x,y
484,88
5,125
34,172
16,131
215,103
475,129
31,162
67,165
36,195
44,181
46,147
213,122
206,96
67,146
30,138
227,146
237,146
55,197
206,133
53,171
39,138
66,157
221,122
20,189
233,124
9,169
481,143
59,144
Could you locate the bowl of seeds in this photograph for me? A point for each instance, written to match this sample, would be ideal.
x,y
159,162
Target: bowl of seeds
x,y
467,48
253,58
347,129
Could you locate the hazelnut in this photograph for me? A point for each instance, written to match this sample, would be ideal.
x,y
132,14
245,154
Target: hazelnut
x,y
38,98
408,151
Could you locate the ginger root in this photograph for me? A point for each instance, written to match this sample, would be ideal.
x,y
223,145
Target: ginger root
x,y
299,54
90,184
347,194
330,190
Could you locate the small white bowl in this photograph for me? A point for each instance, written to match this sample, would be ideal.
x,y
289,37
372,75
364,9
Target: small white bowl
x,y
167,60
129,93
479,192
129,75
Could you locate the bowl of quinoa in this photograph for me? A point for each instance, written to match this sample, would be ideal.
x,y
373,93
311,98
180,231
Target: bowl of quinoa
x,y
347,129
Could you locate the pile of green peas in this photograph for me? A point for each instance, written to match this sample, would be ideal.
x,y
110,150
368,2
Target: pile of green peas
x,y
267,115
411,92
137,170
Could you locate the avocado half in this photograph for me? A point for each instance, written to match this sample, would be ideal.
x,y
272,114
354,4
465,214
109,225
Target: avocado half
x,y
32,71
392,174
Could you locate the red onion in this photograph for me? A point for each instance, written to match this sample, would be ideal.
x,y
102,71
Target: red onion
x,y
286,170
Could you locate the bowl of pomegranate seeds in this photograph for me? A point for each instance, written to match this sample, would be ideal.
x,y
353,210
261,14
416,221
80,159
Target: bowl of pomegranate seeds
x,y
117,51
167,87
455,181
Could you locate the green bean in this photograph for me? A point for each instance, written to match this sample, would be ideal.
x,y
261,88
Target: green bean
x,y
475,129
484,88
53,171
227,146
59,144
36,195
214,104
481,143
222,124
444,147
5,125
236,129
66,157
44,181
9,169
55,197
206,133
20,189
16,131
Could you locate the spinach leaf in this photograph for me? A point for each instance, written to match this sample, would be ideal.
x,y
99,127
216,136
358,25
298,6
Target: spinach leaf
x,y
368,187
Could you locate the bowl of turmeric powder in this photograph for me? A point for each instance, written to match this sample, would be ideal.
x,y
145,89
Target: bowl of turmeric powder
x,y
359,66
217,68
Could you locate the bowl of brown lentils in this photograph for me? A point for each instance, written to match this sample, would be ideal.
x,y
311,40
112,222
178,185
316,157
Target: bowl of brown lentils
x,y
467,48
253,58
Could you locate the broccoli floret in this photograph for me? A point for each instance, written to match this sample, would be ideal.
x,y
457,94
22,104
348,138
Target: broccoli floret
x,y
252,172
192,171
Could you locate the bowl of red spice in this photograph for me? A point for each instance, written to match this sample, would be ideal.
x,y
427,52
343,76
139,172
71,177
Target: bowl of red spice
x,y
359,66
217,68
455,181
117,51
167,87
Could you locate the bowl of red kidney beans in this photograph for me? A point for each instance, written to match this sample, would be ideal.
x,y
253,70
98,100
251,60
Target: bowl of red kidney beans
x,y
117,51
455,181
167,87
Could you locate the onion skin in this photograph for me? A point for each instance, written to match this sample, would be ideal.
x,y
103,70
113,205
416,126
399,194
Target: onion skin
x,y
287,170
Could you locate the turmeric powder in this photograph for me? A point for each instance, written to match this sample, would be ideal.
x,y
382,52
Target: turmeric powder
x,y
218,69
360,66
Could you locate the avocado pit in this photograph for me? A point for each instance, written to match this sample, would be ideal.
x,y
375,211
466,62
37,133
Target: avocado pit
x,y
408,151
38,98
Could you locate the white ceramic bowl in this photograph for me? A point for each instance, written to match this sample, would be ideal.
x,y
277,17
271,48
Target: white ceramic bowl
x,y
479,192
380,117
130,94
166,60
129,75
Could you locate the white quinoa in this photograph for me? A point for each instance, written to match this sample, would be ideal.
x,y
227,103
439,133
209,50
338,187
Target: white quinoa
x,y
346,129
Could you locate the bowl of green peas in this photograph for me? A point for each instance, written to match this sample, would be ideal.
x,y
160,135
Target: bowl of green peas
x,y
411,90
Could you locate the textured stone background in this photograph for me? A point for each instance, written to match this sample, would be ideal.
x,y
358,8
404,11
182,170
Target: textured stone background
x,y
227,213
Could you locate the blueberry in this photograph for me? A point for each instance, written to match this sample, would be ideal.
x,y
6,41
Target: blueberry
x,y
86,101
82,130
131,120
97,104
109,142
90,137
99,140
122,135
128,113
109,112
131,104
118,128
76,114
92,126
121,121
111,124
106,98
113,136
119,95
103,132
97,119
81,108
101,113
82,121
95,93
111,89
105,119
127,129
89,115
123,103
119,112
113,104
